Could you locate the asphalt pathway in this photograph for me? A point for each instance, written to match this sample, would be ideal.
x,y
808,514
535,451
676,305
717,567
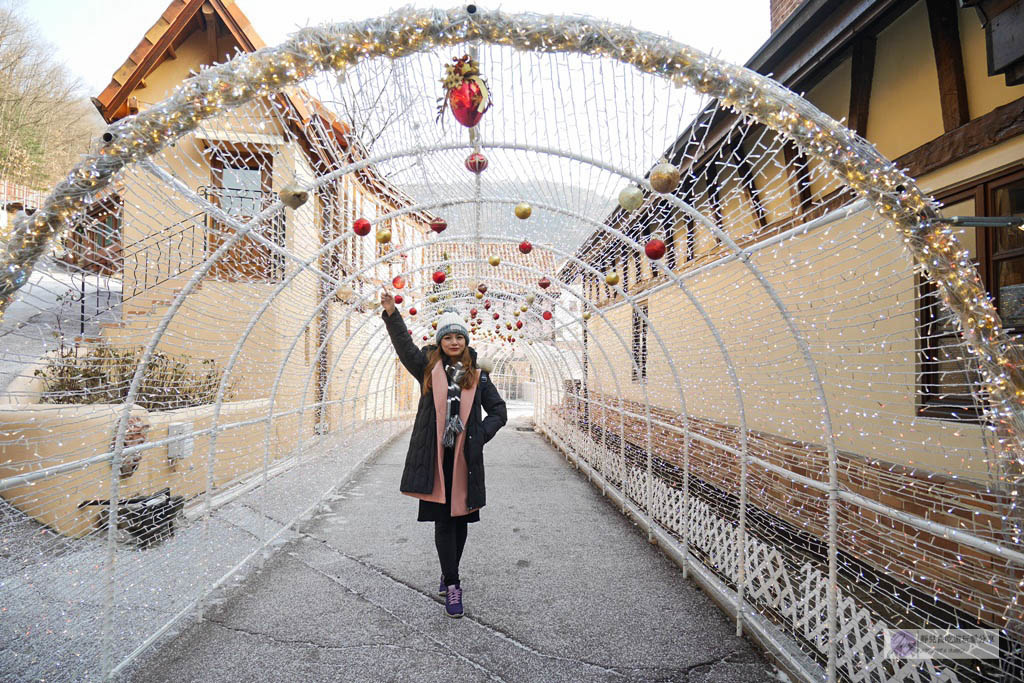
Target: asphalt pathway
x,y
559,586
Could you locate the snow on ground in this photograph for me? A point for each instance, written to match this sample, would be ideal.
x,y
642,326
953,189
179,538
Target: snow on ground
x,y
49,308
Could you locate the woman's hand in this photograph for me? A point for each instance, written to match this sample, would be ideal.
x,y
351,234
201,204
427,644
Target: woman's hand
x,y
387,301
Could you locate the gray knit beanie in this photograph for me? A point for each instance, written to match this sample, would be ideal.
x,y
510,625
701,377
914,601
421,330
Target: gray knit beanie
x,y
450,323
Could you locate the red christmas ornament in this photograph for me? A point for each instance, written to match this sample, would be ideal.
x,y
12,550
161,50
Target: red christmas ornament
x,y
525,247
472,313
496,316
398,282
476,162
361,227
412,311
424,337
654,249
487,304
438,276
544,283
398,298
519,324
438,225
467,93
482,289
546,315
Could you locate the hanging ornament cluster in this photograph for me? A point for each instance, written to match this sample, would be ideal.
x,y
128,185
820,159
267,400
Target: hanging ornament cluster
x,y
466,92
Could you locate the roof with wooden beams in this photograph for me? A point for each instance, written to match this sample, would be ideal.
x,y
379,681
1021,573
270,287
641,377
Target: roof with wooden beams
x,y
176,24
181,19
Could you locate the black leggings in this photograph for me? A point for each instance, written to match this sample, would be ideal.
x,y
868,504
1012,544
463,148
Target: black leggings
x,y
450,539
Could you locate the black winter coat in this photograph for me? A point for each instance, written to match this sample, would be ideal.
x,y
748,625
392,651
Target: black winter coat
x,y
420,461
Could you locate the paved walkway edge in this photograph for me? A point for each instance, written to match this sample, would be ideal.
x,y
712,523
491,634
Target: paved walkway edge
x,y
775,644
197,604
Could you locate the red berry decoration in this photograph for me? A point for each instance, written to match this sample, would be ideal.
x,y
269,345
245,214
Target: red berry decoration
x,y
546,315
361,227
438,276
654,249
467,93
519,324
412,311
398,298
496,316
398,282
525,247
476,162
544,283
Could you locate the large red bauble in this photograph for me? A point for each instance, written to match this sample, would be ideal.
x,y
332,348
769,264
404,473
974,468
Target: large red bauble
x,y
461,100
519,324
496,316
544,283
476,162
398,282
398,298
472,313
412,311
482,289
654,249
525,247
438,276
438,224
361,227
546,315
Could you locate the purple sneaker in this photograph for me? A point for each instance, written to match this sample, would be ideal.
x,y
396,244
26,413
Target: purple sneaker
x,y
453,602
442,589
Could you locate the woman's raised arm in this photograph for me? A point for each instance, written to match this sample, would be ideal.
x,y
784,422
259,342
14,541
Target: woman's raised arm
x,y
412,357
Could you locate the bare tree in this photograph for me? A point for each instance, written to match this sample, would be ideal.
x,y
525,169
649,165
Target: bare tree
x,y
45,122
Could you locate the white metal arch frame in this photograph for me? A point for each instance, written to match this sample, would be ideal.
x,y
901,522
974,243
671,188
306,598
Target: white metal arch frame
x,y
314,49
254,75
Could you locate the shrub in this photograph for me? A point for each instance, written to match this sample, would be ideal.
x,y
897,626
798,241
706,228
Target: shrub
x,y
103,374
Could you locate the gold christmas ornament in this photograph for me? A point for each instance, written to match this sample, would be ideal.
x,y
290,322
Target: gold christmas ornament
x,y
611,279
664,177
432,298
494,260
530,298
586,315
631,198
384,236
523,210
478,295
292,197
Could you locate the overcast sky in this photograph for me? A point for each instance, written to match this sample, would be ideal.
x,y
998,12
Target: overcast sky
x,y
94,37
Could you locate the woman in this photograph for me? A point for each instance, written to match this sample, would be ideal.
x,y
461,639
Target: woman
x,y
444,467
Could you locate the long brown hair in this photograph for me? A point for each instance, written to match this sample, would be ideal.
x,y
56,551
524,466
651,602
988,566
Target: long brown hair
x,y
468,379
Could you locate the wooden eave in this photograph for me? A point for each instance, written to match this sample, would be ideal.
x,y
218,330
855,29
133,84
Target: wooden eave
x,y
175,25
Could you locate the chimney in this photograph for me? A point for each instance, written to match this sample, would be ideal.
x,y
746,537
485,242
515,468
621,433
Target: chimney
x,y
781,9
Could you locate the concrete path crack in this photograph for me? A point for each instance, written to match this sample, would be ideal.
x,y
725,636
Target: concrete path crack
x,y
476,665
497,632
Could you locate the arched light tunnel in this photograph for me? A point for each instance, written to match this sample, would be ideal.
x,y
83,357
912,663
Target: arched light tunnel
x,y
756,395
